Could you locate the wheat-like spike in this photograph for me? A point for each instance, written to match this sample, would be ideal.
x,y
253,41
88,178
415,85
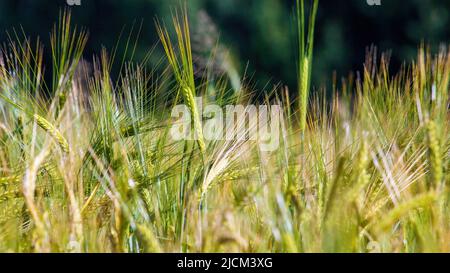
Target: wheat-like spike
x,y
139,172
10,194
304,85
10,179
151,243
231,175
51,129
183,70
435,159
402,209
51,171
16,178
196,122
361,177
43,123
361,167
305,55
235,174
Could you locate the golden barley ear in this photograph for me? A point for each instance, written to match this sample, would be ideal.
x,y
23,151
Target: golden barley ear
x,y
53,131
435,156
43,123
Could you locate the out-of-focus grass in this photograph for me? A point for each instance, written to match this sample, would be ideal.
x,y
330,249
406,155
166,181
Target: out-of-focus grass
x,y
89,165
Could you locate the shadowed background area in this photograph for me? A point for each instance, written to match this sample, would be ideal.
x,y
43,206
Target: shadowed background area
x,y
259,33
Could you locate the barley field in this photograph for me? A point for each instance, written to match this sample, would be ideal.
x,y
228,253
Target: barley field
x,y
88,162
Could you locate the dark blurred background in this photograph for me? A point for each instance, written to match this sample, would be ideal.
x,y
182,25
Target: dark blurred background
x,y
259,33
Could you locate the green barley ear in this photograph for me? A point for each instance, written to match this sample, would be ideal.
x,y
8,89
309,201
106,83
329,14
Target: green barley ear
x,y
148,238
10,179
183,70
417,202
305,54
304,92
362,176
435,158
51,129
67,45
43,123
192,105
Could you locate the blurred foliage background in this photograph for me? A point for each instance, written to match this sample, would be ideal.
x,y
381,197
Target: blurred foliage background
x,y
259,33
